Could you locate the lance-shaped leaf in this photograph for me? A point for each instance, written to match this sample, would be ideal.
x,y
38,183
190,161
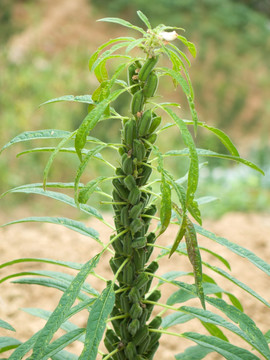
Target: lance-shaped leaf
x,y
68,264
36,135
64,355
123,23
97,322
214,330
195,258
144,19
180,234
193,352
5,325
227,350
193,112
175,319
88,189
178,78
166,205
59,314
8,343
86,99
69,223
91,120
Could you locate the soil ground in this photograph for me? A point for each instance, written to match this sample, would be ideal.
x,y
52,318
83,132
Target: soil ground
x,y
51,241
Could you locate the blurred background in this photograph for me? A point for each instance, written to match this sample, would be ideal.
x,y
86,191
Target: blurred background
x,y
44,50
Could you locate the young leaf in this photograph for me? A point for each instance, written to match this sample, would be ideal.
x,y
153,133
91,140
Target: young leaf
x,y
97,322
123,23
144,19
88,189
178,78
214,330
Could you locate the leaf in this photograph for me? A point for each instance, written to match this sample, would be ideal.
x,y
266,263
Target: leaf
x,y
174,319
193,112
69,223
123,23
59,314
178,78
91,120
214,330
180,234
24,347
195,258
33,135
144,19
88,189
8,343
29,189
134,44
68,264
5,325
86,99
192,49
166,205
82,167
193,353
237,249
101,72
217,256
97,322
53,155
64,355
229,351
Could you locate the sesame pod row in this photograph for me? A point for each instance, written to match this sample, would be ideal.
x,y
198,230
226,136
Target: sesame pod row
x,y
147,67
151,84
139,258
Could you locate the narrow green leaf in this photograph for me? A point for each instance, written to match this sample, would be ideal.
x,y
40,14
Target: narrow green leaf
x,y
5,325
229,351
33,135
165,207
193,112
91,120
8,343
179,236
69,223
64,355
59,314
82,167
174,319
101,72
134,44
97,322
24,347
88,189
217,256
178,78
237,249
86,99
192,49
68,264
123,23
195,258
193,353
214,330
144,19
171,275
28,189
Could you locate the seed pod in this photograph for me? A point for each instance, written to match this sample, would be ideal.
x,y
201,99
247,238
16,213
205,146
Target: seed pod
x,y
129,132
147,67
130,182
118,246
156,322
136,225
156,121
154,296
145,174
136,210
121,189
150,354
118,260
124,216
116,197
128,274
113,266
124,303
138,150
139,257
151,210
122,150
127,248
134,295
137,102
119,171
145,123
152,138
128,166
144,345
131,72
110,335
141,280
151,238
124,330
135,311
141,335
144,317
130,351
151,84
134,196
152,268
139,243
134,326
155,336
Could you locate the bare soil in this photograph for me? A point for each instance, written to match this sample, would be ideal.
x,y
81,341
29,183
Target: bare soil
x,y
52,241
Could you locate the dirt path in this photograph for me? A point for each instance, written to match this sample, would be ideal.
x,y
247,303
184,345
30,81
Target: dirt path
x,y
51,241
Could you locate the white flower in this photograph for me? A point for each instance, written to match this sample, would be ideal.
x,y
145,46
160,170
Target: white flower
x,y
168,36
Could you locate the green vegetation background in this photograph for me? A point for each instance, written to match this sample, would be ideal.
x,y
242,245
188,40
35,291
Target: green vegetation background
x,y
231,77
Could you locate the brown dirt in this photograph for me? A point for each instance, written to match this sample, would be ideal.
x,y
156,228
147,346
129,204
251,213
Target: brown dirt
x,y
51,241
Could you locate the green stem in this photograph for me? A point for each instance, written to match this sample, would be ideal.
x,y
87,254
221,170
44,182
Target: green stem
x,y
111,354
165,332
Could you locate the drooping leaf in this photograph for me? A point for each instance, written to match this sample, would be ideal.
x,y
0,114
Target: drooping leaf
x,y
97,322
180,234
144,19
123,23
5,325
8,343
68,264
86,99
174,319
178,78
194,353
214,330
88,189
165,207
64,355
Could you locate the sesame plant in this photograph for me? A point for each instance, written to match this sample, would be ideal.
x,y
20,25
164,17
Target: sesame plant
x,y
146,199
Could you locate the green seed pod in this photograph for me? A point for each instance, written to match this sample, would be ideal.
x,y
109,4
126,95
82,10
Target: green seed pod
x,y
127,241
141,335
134,326
150,354
128,166
139,243
122,150
119,171
136,225
124,216
144,345
121,189
129,132
130,351
144,317
145,123
151,84
113,266
134,196
116,197
147,67
152,138
155,323
110,335
130,182
128,274
154,296
151,210
131,72
145,174
124,329
152,268
151,237
139,257
134,295
141,280
117,245
156,121
137,102
135,311
136,210
138,150
124,303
